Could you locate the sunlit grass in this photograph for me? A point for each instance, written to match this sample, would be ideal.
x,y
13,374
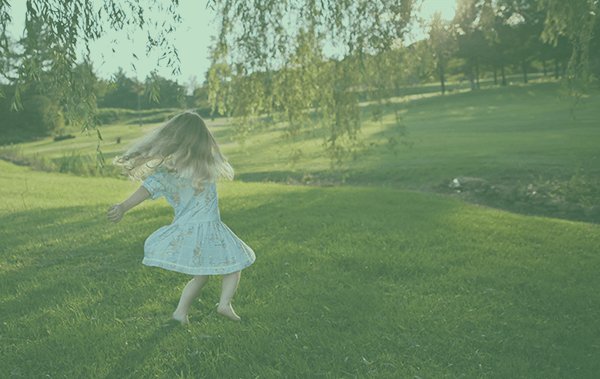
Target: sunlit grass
x,y
348,283
504,135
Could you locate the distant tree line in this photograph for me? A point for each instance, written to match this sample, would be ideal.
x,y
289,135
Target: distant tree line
x,y
45,87
501,34
263,70
43,114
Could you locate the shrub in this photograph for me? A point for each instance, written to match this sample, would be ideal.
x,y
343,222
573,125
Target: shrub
x,y
40,117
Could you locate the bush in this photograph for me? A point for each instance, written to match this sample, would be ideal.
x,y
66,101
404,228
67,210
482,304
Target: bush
x,y
580,189
40,117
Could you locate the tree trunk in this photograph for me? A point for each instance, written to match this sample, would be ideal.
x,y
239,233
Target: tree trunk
x,y
477,73
495,76
442,79
503,76
544,66
471,79
555,68
524,71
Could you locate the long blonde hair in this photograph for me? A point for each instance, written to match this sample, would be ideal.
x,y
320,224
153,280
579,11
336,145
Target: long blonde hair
x,y
181,145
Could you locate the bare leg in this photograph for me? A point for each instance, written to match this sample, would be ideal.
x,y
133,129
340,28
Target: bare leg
x,y
230,282
187,297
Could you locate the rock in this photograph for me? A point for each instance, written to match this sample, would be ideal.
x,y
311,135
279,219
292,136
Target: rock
x,y
468,183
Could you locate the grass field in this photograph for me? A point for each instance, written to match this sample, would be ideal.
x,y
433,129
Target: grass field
x,y
348,283
504,135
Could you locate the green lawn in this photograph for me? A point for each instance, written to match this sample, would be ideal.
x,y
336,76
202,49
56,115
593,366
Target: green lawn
x,y
503,135
348,283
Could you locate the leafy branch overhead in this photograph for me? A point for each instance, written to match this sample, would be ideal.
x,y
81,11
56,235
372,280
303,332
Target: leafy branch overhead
x,y
301,63
54,33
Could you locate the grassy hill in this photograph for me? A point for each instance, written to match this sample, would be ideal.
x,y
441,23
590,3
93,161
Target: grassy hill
x,y
503,135
522,141
348,283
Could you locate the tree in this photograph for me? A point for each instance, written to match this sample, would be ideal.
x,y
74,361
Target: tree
x,y
43,114
170,93
261,65
575,20
192,84
122,92
500,34
469,37
595,48
442,43
65,25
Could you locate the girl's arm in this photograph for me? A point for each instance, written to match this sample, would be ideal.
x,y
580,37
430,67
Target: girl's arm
x,y
117,211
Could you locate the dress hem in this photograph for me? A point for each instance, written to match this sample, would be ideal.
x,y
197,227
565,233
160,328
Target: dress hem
x,y
196,270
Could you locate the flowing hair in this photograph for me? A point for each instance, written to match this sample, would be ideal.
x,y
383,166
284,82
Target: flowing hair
x,y
181,145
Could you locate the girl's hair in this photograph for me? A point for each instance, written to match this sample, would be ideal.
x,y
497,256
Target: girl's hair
x,y
182,145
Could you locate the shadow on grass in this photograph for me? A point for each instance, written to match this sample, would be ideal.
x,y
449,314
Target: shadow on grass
x,y
340,263
51,255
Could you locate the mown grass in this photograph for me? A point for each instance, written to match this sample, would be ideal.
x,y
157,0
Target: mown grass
x,y
348,283
520,133
503,135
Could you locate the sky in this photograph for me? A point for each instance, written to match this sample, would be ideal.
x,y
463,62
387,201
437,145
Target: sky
x,y
192,40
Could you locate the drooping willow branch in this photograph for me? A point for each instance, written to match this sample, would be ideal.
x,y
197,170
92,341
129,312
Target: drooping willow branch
x,y
56,30
302,62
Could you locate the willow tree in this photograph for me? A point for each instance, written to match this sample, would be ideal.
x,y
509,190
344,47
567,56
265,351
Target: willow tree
x,y
57,39
302,63
575,20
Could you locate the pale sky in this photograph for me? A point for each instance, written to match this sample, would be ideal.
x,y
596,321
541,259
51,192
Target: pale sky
x,y
192,39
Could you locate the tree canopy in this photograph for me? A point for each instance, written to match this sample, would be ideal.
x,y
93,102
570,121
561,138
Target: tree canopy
x,y
55,33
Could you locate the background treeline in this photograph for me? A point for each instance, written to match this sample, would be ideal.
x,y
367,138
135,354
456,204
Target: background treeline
x,y
487,40
303,86
493,38
120,98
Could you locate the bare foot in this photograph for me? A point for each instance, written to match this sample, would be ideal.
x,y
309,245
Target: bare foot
x,y
183,320
228,312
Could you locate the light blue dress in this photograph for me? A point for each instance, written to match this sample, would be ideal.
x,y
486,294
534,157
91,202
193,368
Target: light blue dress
x,y
196,242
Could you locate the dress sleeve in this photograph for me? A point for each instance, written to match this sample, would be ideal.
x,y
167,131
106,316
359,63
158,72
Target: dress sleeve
x,y
155,184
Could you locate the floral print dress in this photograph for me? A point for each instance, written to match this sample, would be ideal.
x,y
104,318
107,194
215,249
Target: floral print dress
x,y
196,242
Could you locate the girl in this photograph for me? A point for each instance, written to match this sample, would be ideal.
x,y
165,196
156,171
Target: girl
x,y
181,161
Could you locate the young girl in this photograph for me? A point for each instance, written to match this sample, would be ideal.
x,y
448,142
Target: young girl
x,y
181,161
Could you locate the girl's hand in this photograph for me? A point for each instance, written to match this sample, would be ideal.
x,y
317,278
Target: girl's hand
x,y
115,213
